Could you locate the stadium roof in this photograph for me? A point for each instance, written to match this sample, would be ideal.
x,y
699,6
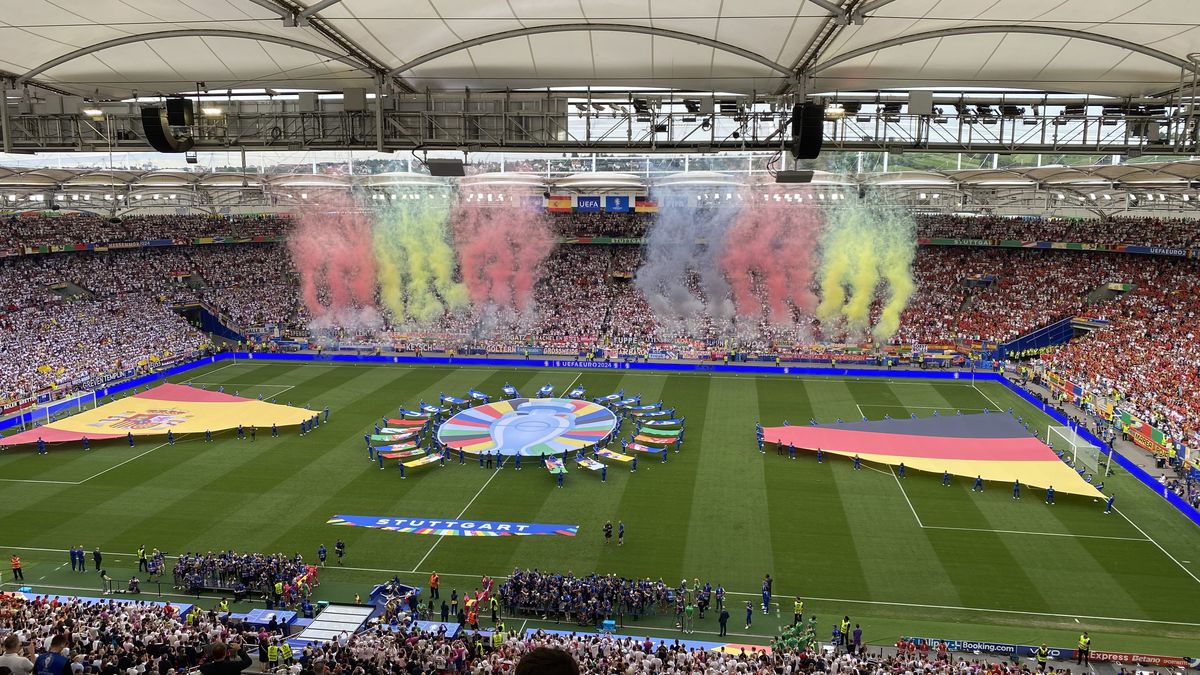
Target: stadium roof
x,y
116,47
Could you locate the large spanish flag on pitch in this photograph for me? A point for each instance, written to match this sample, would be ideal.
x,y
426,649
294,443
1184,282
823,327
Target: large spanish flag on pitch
x,y
167,407
991,445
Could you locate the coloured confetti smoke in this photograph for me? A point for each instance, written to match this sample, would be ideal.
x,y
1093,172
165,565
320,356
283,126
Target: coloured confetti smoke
x,y
415,261
331,250
681,277
768,256
500,244
864,245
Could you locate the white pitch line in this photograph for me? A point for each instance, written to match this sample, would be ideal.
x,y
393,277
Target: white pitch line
x,y
854,601
573,381
1151,540
860,411
459,517
989,398
117,466
228,365
906,499
32,480
919,407
1041,534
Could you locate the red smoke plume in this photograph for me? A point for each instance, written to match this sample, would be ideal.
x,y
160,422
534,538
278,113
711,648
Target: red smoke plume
x,y
769,258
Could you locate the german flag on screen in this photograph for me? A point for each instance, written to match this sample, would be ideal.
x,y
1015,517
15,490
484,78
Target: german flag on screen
x,y
645,205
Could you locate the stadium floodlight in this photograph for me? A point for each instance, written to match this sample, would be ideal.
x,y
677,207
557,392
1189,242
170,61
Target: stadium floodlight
x,y
1107,197
937,195
1059,196
1078,452
93,112
921,195
211,112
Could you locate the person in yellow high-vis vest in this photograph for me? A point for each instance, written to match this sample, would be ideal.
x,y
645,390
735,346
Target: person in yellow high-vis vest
x,y
797,611
273,655
285,655
1085,649
224,606
498,636
1042,655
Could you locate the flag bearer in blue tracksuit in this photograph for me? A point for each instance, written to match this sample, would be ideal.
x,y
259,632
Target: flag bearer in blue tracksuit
x,y
129,437
274,430
326,413
241,433
379,456
207,435
41,446
792,451
634,467
86,445
978,487
749,614
857,463
367,440
1050,495
1016,489
401,466
945,479
664,456
517,461
322,554
561,474
1109,505
820,455
902,469
170,437
604,474
766,593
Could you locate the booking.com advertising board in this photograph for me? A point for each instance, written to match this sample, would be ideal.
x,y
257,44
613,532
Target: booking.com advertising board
x,y
1058,653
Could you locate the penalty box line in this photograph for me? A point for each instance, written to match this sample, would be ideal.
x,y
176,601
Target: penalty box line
x,y
923,526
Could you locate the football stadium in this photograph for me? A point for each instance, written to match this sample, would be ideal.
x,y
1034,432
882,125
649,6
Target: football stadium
x,y
357,337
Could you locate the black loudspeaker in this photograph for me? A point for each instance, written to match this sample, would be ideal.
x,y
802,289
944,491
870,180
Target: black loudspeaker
x,y
180,112
808,122
158,132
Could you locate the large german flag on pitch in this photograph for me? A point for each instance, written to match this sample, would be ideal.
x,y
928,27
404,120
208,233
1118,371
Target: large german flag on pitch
x,y
167,407
993,446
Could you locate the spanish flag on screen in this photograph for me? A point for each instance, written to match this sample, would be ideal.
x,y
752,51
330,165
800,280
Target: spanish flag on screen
x,y
645,205
559,203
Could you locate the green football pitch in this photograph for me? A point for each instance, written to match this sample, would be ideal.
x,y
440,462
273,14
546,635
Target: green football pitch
x,y
899,557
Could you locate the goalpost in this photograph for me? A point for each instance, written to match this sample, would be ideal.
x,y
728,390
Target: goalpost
x,y
1078,451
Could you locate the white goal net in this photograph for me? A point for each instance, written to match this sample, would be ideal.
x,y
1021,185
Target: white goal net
x,y
1077,451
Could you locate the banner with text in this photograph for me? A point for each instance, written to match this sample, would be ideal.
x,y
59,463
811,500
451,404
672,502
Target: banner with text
x,y
454,528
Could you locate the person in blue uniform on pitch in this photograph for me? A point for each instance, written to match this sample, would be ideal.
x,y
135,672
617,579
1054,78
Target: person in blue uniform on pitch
x,y
326,413
379,457
129,437
749,614
1108,506
322,554
767,586
561,474
902,469
462,457
819,455
857,463
86,444
241,433
1016,489
170,437
207,435
792,451
945,479
633,464
1050,495
664,455
978,487
41,446
274,430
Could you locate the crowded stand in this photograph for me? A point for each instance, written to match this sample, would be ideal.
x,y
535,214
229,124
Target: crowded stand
x,y
109,637
75,317
1178,233
71,228
246,573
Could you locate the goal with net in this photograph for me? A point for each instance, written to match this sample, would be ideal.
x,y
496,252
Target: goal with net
x,y
1078,452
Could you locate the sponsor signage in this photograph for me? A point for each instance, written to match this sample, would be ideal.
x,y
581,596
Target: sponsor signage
x,y
454,528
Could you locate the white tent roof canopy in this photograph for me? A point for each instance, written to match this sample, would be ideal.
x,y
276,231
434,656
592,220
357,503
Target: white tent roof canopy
x,y
116,47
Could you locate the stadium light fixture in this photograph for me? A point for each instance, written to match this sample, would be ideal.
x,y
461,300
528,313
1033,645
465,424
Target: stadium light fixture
x,y
303,195
1162,197
93,112
1092,196
1107,197
211,111
1059,196
937,195
821,197
158,196
138,197
1149,197
1186,198
921,195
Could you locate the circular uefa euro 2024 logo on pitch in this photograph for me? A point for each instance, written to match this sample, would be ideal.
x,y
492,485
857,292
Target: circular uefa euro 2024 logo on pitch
x,y
528,427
